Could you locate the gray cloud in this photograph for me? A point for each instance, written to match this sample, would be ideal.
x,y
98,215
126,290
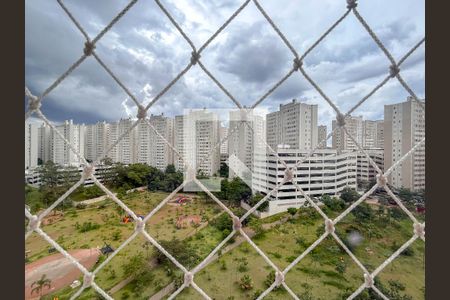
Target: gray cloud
x,y
144,50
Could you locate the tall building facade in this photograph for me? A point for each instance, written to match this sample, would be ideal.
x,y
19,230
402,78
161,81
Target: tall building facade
x,y
245,138
404,127
126,150
341,140
373,134
295,124
196,135
151,147
45,142
322,135
31,145
61,152
96,140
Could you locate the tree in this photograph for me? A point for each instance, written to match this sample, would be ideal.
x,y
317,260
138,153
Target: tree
x,y
255,199
182,251
349,195
134,265
363,213
38,285
224,170
292,211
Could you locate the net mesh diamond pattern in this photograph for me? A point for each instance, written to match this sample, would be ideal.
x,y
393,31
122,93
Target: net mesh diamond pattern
x,y
350,7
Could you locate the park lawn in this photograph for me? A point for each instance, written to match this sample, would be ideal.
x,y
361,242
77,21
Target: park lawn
x,y
316,273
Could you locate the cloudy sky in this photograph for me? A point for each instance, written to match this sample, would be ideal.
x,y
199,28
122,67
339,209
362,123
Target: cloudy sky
x,y
146,52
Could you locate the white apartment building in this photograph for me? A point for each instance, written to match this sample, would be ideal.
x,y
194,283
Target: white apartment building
x,y
96,140
61,152
31,145
45,151
365,170
368,134
151,147
341,139
223,132
245,138
322,135
295,124
327,171
373,134
196,134
125,151
404,127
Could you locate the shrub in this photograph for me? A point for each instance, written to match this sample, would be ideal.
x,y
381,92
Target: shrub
x,y
246,282
116,235
86,226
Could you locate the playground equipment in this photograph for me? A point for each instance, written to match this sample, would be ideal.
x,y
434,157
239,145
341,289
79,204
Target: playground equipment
x,y
181,199
106,249
129,218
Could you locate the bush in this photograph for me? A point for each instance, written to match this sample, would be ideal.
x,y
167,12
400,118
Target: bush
x,y
86,226
246,283
116,235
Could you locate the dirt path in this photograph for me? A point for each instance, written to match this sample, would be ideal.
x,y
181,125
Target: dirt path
x,y
58,269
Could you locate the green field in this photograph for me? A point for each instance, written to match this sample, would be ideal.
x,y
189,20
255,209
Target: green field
x,y
314,277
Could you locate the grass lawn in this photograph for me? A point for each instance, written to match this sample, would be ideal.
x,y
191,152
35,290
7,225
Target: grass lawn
x,y
112,231
316,274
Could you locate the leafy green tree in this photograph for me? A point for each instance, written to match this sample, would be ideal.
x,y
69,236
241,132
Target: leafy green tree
x,y
349,195
224,170
256,198
292,211
134,265
363,213
182,251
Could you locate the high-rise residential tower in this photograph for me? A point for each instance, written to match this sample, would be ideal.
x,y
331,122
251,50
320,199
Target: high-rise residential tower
x,y
404,127
295,124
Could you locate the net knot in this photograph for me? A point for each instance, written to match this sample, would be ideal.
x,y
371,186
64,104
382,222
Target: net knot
x,y
34,103
140,225
279,278
340,119
381,180
419,230
393,70
88,171
34,222
288,175
142,112
329,226
368,280
298,63
188,278
237,224
195,56
88,48
351,4
88,279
